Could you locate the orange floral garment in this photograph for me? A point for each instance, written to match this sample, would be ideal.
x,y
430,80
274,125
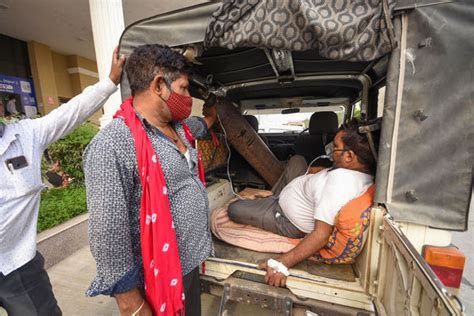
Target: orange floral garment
x,y
346,240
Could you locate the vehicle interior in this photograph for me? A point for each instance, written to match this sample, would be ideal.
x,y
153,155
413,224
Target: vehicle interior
x,y
295,102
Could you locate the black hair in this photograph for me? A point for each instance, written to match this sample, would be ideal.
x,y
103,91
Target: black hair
x,y
359,144
147,61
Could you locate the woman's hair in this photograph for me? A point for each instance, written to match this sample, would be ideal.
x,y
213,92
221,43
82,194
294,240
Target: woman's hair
x,y
359,144
147,61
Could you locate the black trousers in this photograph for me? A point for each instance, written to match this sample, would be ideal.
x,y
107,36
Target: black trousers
x,y
266,213
192,292
27,291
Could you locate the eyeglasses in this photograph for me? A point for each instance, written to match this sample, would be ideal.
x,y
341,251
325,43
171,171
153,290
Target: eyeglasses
x,y
332,149
344,149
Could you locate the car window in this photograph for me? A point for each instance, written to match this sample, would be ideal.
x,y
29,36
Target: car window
x,y
356,109
283,123
271,122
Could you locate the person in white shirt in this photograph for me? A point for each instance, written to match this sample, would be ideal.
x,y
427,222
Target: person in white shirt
x,y
309,202
25,288
11,105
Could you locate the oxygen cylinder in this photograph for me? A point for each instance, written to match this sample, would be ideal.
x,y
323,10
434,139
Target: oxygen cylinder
x,y
248,143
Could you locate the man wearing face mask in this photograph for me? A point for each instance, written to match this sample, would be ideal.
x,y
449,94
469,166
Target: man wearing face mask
x,y
148,206
306,201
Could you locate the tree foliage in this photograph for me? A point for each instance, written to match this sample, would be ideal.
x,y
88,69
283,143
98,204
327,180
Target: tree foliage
x,y
68,151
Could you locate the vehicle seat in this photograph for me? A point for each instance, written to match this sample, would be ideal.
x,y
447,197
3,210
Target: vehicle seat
x,y
243,174
253,121
323,126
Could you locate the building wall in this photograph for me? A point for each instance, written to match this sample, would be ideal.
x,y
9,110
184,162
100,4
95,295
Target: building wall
x,y
83,73
42,68
14,62
59,76
14,57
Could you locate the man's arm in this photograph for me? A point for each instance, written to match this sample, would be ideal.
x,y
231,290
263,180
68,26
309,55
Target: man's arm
x,y
210,114
109,183
338,191
311,244
130,303
199,126
68,116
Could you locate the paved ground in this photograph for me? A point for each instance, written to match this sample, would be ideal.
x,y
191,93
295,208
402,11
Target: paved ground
x,y
71,277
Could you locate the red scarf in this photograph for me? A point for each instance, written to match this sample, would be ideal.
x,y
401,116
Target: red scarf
x,y
162,268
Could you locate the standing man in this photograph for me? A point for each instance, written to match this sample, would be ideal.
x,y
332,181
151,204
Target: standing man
x,y
25,288
148,224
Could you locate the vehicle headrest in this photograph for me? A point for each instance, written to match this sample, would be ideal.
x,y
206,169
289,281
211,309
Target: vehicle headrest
x,y
323,123
252,121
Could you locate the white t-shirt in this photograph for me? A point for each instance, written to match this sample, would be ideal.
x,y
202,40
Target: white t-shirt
x,y
320,196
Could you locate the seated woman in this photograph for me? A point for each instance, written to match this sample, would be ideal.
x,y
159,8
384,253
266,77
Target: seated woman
x,y
307,204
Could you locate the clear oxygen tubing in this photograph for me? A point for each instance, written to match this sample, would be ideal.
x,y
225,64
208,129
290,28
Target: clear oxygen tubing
x,y
315,159
228,159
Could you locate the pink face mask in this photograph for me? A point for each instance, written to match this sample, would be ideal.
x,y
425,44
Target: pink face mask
x,y
179,105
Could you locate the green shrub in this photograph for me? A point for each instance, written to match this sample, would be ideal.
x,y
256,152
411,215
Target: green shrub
x,y
59,205
69,150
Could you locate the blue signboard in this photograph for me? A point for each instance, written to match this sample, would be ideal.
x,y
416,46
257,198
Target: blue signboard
x,y
19,86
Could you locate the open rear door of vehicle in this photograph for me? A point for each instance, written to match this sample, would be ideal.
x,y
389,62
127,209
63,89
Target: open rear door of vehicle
x,y
406,285
419,179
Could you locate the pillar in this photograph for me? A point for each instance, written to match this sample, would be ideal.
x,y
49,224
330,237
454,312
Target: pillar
x,y
42,69
107,26
83,73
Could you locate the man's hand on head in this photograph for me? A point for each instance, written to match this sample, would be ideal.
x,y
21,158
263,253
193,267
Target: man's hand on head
x,y
117,67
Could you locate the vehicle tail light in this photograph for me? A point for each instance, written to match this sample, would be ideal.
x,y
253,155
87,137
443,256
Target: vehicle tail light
x,y
447,263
